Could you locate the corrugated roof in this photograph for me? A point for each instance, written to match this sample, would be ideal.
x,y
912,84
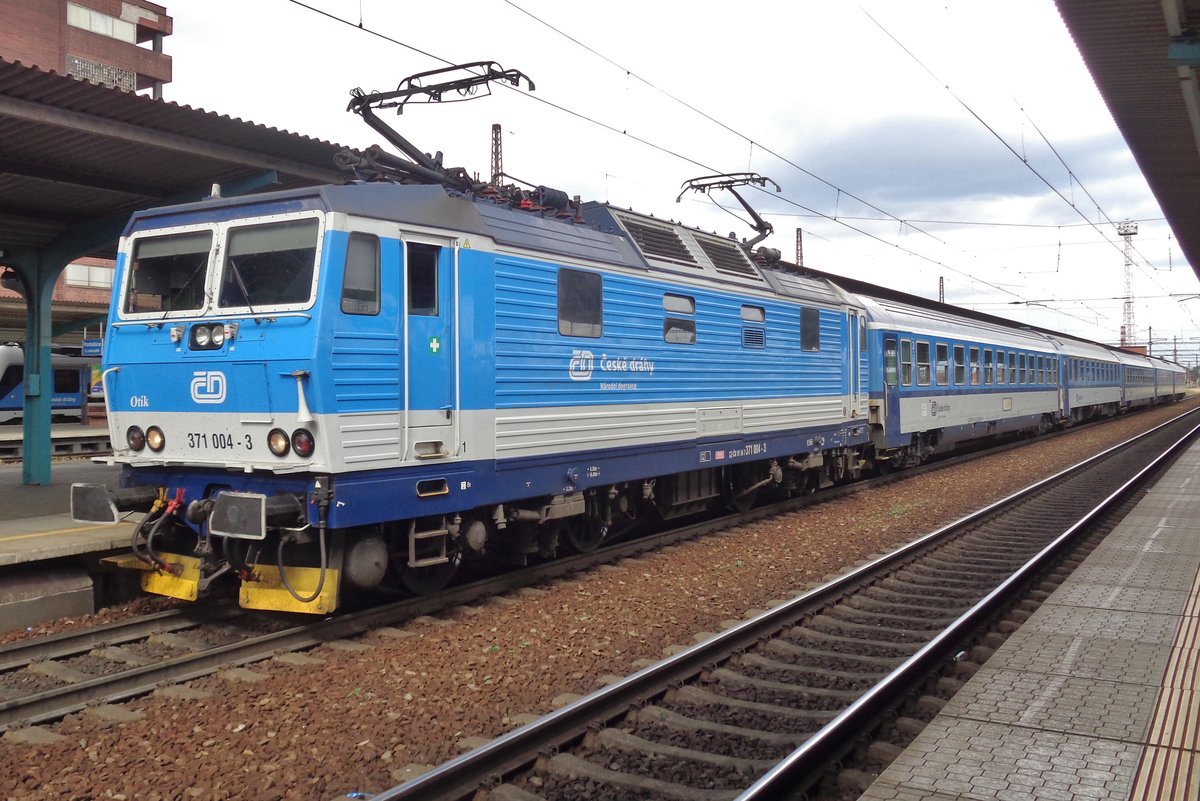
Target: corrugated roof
x,y
1124,44
72,151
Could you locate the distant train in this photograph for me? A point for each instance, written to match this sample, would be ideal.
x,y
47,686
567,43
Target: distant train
x,y
341,388
70,384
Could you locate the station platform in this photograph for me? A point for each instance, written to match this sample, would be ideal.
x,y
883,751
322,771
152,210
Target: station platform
x,y
1097,695
48,562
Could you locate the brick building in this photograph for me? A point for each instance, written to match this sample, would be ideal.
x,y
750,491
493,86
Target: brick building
x,y
111,42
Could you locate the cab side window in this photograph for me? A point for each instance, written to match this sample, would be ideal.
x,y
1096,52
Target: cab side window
x,y
360,282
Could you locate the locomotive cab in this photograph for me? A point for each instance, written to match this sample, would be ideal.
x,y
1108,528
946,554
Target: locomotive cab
x,y
278,352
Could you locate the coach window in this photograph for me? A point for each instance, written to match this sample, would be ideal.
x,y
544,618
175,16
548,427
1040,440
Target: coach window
x,y
810,329
960,366
891,372
360,283
923,364
988,373
1041,369
1012,367
1022,376
1000,367
975,365
66,380
580,303
906,362
943,364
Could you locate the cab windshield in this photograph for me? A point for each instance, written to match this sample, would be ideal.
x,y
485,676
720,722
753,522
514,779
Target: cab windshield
x,y
268,265
167,273
264,266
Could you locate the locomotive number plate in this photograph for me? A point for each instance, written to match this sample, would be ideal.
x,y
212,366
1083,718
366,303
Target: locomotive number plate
x,y
218,441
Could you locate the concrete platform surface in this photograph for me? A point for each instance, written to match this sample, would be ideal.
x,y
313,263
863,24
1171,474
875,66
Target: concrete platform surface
x,y
1097,695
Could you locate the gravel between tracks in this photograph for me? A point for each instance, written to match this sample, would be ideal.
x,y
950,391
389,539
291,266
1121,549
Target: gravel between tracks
x,y
363,719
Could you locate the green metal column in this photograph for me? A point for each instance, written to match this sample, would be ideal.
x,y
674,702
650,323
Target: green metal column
x,y
39,375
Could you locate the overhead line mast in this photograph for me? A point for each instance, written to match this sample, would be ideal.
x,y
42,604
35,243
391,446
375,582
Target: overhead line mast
x,y
1127,230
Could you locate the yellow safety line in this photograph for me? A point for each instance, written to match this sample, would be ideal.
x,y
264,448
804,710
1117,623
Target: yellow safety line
x,y
14,537
1169,767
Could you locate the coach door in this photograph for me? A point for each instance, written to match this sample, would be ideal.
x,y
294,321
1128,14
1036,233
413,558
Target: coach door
x,y
431,369
858,367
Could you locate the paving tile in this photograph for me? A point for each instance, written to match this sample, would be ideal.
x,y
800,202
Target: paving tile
x,y
1084,657
1057,703
1066,768
1118,597
1109,624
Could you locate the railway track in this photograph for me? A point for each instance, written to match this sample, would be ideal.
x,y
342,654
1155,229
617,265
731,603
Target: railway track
x,y
762,710
44,679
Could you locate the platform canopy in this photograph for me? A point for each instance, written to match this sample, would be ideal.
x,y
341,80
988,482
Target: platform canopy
x,y
1143,56
73,154
76,159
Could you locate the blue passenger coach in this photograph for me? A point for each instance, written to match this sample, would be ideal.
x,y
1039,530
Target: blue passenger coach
x,y
358,385
943,378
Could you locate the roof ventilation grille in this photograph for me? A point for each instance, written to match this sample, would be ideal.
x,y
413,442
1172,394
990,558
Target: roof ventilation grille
x,y
659,242
727,257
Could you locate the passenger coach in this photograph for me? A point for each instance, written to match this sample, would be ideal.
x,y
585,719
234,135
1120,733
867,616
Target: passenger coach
x,y
942,378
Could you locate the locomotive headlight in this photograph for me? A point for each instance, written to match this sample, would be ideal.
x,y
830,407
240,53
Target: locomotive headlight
x,y
202,335
135,438
218,335
278,442
155,439
303,443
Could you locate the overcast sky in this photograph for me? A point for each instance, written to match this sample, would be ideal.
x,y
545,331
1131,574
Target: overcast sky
x,y
913,141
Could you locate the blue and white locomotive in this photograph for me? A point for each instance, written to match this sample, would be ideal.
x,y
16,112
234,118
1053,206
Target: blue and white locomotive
x,y
340,388
317,387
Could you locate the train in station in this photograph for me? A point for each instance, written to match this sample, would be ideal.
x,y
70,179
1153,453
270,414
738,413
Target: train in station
x,y
70,374
340,389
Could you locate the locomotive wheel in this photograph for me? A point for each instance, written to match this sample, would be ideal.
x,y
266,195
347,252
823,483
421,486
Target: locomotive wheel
x,y
428,580
582,535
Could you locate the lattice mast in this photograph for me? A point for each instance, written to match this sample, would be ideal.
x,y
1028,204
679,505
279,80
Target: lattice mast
x,y
1128,230
497,155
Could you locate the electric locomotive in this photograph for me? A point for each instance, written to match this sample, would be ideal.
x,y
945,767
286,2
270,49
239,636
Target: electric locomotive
x,y
332,389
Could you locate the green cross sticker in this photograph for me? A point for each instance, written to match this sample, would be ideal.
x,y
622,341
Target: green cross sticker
x,y
435,344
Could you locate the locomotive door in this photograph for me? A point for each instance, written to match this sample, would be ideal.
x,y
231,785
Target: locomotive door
x,y
431,354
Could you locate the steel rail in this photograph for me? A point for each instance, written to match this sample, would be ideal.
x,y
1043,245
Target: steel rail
x,y
72,643
462,775
836,736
